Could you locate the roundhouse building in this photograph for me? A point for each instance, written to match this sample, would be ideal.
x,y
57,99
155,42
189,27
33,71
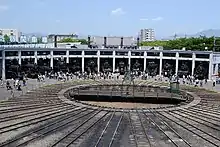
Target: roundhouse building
x,y
204,64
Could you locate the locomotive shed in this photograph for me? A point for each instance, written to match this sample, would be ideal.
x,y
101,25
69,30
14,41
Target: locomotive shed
x,y
50,117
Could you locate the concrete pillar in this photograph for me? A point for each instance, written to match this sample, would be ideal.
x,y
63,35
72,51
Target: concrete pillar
x,y
3,65
193,63
161,62
19,57
210,66
145,60
129,60
216,69
35,57
177,63
67,56
51,59
98,60
113,65
83,54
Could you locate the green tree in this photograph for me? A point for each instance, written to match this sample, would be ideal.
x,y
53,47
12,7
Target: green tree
x,y
198,43
67,40
6,38
71,40
83,41
39,40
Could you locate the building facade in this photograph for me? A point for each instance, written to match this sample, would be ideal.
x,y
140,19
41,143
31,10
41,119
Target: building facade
x,y
174,60
147,35
13,34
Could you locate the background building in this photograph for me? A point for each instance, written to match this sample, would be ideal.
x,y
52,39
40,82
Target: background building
x,y
13,34
113,41
147,35
61,36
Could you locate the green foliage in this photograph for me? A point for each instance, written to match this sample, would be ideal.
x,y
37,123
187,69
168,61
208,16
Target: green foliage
x,y
189,43
83,41
71,40
39,40
6,38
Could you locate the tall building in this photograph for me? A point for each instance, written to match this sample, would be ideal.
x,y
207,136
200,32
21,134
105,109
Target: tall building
x,y
13,34
147,35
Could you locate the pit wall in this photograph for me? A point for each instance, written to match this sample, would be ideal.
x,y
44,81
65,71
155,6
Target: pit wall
x,y
64,96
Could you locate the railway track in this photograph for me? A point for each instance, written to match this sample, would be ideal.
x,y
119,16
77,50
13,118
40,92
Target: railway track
x,y
75,133
140,135
40,118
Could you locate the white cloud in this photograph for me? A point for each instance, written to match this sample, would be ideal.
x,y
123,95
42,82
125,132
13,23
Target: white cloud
x,y
157,19
3,7
118,11
143,19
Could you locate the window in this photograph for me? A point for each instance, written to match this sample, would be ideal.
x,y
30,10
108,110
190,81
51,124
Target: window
x,y
90,52
137,53
205,56
27,53
75,53
59,53
43,53
121,53
153,54
185,55
11,53
105,53
169,54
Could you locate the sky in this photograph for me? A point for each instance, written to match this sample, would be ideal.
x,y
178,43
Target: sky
x,y
110,17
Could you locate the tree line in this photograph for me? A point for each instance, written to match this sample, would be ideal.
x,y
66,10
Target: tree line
x,y
200,43
72,40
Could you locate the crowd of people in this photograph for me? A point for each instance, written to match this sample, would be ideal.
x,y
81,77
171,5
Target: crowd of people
x,y
185,79
13,84
18,83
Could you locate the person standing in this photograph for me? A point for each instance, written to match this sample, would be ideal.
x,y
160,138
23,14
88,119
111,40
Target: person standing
x,y
24,82
1,83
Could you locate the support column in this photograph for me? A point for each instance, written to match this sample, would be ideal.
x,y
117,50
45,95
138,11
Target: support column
x,y
67,56
35,57
216,69
19,57
83,54
3,65
98,60
145,61
210,66
51,59
193,62
113,65
161,62
129,60
177,63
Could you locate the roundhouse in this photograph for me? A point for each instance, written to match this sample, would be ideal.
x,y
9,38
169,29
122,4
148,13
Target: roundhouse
x,y
204,64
